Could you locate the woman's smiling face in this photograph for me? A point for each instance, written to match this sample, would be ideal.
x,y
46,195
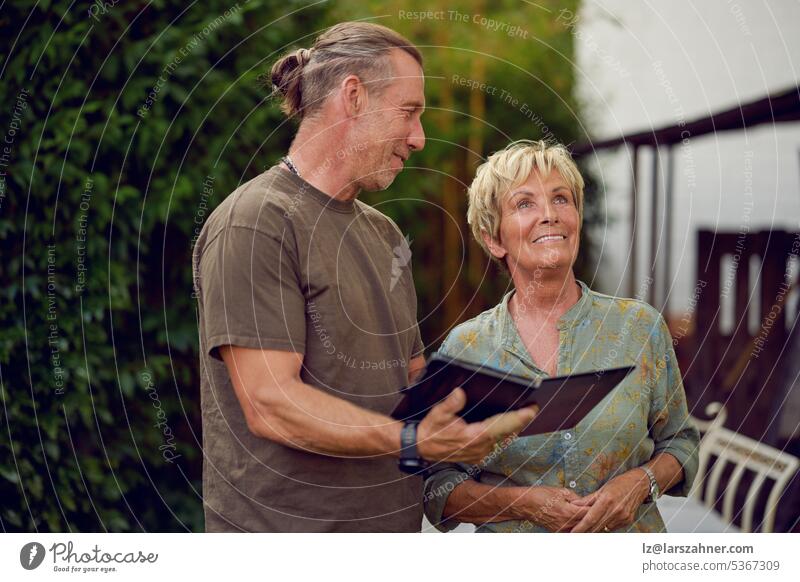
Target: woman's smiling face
x,y
539,225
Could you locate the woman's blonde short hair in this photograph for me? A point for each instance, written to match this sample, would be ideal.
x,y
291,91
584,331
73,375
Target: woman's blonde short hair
x,y
510,167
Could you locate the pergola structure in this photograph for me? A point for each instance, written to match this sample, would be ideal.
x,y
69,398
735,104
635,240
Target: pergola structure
x,y
780,107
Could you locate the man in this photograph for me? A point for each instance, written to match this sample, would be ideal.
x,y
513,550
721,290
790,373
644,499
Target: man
x,y
307,330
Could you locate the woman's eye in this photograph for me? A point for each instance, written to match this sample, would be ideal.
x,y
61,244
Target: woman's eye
x,y
561,199
524,204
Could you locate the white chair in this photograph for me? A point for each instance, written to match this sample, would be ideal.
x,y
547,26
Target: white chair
x,y
744,453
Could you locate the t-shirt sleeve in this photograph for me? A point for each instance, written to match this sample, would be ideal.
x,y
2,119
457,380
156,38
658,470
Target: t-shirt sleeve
x,y
419,348
251,292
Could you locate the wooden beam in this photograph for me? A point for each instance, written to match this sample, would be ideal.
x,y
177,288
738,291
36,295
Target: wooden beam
x,y
668,203
633,255
654,283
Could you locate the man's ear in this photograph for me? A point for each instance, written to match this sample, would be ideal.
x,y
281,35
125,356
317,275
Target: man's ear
x,y
354,96
494,246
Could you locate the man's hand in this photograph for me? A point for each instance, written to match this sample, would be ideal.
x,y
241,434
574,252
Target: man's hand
x,y
551,507
443,436
614,505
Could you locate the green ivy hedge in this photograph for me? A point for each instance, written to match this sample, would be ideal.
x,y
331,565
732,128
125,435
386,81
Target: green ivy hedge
x,y
128,122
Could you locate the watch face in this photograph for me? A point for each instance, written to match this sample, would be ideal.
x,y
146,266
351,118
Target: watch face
x,y
654,491
408,439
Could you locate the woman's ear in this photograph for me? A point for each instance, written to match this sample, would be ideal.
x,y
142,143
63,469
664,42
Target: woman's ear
x,y
494,246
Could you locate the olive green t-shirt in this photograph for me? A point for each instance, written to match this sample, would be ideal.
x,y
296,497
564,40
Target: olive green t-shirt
x,y
279,265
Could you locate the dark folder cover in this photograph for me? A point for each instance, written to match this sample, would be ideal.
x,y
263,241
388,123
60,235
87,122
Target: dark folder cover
x,y
563,400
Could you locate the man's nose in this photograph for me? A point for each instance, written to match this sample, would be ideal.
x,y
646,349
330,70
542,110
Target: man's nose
x,y
416,139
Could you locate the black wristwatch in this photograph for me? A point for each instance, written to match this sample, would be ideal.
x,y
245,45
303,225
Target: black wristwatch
x,y
410,461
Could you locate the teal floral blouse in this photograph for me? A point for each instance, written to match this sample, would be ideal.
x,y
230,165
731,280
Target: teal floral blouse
x,y
643,416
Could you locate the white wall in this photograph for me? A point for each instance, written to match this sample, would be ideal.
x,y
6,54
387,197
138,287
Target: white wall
x,y
643,65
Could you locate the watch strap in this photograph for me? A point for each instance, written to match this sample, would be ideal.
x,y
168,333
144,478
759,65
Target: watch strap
x,y
410,461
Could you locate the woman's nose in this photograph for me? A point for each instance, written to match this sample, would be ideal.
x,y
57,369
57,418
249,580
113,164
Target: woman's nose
x,y
549,213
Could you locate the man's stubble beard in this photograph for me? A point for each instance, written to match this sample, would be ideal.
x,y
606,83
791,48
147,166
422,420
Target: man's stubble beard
x,y
377,180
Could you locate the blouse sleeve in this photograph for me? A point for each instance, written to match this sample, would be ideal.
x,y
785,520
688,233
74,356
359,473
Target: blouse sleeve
x,y
669,423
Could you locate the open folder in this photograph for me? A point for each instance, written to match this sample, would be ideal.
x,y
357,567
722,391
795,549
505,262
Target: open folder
x,y
563,400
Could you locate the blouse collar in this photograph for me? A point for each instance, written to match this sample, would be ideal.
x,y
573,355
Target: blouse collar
x,y
510,339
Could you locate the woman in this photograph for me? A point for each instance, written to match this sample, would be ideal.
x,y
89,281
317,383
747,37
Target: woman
x,y
526,210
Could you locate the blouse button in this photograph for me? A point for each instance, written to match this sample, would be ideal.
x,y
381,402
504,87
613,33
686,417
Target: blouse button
x,y
568,435
572,484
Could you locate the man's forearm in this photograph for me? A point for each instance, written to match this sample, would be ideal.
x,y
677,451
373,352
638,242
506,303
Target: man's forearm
x,y
277,405
303,417
478,503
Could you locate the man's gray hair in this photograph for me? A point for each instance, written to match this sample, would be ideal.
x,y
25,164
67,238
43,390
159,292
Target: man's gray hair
x,y
305,77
